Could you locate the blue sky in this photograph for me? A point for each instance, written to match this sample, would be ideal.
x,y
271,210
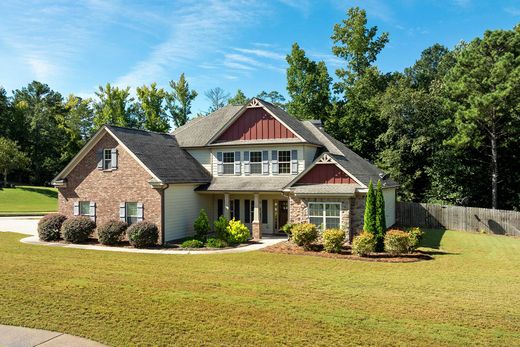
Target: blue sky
x,y
74,46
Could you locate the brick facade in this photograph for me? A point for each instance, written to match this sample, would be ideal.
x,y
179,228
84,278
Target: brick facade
x,y
128,183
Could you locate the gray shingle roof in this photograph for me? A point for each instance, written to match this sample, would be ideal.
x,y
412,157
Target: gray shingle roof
x,y
247,184
162,155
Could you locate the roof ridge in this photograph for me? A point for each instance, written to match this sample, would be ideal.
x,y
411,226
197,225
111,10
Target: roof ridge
x,y
136,129
195,120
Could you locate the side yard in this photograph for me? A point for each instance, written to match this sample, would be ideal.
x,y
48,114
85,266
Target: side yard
x,y
27,200
466,295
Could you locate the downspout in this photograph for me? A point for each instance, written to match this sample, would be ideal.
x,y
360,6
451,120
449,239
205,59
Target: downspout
x,y
162,214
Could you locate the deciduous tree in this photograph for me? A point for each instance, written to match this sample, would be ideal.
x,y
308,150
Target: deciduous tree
x,y
179,101
150,108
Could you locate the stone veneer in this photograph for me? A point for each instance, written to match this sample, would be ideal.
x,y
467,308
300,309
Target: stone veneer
x,y
352,210
108,188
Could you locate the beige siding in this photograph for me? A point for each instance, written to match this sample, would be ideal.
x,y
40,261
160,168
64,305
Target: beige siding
x,y
389,195
181,206
203,156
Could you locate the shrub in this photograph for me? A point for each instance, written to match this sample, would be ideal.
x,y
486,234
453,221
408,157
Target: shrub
x,y
193,243
415,236
111,232
77,229
221,225
49,227
201,225
380,218
143,234
333,240
397,242
369,220
216,243
287,229
364,244
304,234
237,232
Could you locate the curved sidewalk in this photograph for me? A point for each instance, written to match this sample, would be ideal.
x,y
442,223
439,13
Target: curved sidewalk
x,y
11,336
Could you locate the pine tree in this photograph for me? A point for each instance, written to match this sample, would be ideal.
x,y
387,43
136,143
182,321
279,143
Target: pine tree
x,y
370,210
380,217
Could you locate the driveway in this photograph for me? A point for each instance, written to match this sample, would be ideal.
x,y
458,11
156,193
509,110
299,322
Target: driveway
x,y
24,225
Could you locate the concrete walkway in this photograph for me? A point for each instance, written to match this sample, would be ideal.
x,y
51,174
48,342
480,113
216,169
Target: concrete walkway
x,y
24,225
11,336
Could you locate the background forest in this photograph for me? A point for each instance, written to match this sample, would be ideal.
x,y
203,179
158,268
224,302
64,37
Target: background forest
x,y
447,128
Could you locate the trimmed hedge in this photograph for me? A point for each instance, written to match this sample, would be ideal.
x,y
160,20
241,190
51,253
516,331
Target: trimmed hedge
x,y
193,243
364,244
49,227
415,236
143,234
111,233
397,242
333,240
304,234
77,229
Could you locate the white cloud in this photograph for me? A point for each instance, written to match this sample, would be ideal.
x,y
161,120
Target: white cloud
x,y
304,6
513,11
262,53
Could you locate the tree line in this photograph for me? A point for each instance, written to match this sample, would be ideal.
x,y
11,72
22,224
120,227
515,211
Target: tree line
x,y
446,128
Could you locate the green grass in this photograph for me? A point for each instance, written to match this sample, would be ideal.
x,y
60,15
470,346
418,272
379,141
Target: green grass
x,y
26,200
468,295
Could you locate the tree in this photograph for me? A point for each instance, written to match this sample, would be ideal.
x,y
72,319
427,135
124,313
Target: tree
x,y
273,97
217,97
484,85
380,226
76,122
5,112
434,63
369,224
150,108
114,107
179,101
11,158
308,85
239,99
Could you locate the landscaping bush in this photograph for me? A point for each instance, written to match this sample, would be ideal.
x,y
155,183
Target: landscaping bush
x,y
201,225
287,229
194,243
415,236
49,227
333,240
364,244
221,225
77,229
143,234
304,234
397,242
111,232
237,232
216,243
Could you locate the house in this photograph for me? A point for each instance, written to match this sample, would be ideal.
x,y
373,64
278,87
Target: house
x,y
255,163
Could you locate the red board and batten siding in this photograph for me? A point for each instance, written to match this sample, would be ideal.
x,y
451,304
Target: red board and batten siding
x,y
326,174
256,124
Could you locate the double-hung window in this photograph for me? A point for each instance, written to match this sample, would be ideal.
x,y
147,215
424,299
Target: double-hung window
x,y
325,214
284,162
84,208
107,159
229,163
255,162
132,214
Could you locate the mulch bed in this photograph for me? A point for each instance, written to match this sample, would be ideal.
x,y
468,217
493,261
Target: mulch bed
x,y
346,253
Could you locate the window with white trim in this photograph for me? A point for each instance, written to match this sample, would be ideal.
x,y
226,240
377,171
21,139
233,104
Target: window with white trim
x,y
255,162
326,215
284,162
107,159
84,208
132,213
229,163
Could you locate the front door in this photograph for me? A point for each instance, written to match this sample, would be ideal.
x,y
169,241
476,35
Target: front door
x,y
283,213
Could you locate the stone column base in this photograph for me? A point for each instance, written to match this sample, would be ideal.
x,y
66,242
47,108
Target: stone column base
x,y
257,230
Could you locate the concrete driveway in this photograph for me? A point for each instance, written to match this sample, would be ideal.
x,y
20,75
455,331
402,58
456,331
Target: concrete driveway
x,y
24,225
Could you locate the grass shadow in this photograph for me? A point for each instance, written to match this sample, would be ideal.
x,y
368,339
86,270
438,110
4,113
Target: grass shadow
x,y
432,238
47,192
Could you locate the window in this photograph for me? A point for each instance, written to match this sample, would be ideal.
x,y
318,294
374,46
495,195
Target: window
x,y
132,214
229,163
284,162
234,209
325,214
256,162
84,208
107,159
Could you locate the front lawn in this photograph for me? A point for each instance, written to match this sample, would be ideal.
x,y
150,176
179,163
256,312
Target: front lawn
x,y
467,295
28,200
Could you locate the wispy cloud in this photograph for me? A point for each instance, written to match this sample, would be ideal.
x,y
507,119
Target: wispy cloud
x,y
462,3
247,62
513,11
304,6
375,8
264,53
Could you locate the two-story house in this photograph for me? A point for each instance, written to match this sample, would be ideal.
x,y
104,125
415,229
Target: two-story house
x,y
255,163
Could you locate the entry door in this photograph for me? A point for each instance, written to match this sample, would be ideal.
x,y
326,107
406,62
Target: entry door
x,y
283,213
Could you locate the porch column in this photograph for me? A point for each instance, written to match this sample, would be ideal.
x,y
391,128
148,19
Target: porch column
x,y
256,225
226,205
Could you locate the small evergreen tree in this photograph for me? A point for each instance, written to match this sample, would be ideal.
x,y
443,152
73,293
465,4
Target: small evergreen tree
x,y
201,225
370,210
380,218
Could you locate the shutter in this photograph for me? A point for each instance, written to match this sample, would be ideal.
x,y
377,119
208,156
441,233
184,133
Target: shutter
x,y
265,162
274,162
220,207
220,166
264,211
122,212
76,208
294,162
92,211
237,163
113,164
139,211
237,209
247,211
99,156
247,167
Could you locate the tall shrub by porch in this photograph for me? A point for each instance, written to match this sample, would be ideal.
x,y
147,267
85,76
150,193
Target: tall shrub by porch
x,y
369,223
380,218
